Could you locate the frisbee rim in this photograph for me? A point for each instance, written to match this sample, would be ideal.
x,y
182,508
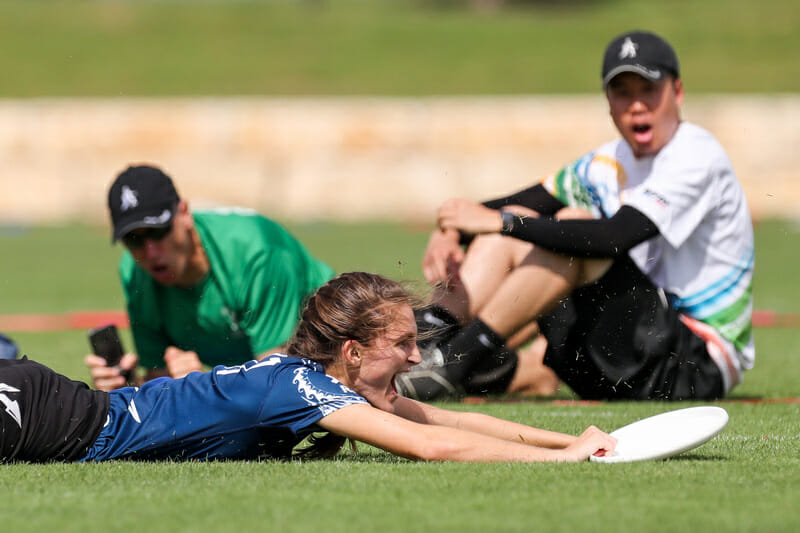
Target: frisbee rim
x,y
718,419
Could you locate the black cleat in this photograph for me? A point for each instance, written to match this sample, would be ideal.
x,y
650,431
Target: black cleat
x,y
428,383
435,326
428,380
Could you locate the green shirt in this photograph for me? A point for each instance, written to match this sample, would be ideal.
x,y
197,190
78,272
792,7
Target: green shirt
x,y
250,301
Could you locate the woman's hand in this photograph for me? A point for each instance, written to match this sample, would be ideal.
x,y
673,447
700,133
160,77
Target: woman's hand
x,y
591,442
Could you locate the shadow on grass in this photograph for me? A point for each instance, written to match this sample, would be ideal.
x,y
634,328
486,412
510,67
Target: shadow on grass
x,y
368,458
696,457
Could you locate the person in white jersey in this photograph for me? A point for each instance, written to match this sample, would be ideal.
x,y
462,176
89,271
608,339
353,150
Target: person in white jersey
x,y
634,262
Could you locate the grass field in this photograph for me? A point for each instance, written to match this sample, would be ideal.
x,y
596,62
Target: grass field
x,y
744,480
397,47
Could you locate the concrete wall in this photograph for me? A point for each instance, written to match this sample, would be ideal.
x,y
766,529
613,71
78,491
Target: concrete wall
x,y
348,158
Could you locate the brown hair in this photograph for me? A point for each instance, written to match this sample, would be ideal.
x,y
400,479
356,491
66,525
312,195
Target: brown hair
x,y
352,306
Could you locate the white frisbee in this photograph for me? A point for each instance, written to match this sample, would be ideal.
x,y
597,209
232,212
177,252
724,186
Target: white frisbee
x,y
666,434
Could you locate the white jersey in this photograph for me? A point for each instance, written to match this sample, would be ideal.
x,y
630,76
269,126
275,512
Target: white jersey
x,y
704,255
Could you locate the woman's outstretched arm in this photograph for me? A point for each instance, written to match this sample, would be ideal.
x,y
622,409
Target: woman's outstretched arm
x,y
424,413
422,441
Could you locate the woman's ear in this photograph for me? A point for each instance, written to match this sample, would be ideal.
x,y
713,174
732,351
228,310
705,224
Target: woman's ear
x,y
351,350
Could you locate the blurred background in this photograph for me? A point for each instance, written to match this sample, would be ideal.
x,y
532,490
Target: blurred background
x,y
349,121
364,110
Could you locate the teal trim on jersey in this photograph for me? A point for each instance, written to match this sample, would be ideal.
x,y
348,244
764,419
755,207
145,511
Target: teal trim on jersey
x,y
249,303
704,302
734,321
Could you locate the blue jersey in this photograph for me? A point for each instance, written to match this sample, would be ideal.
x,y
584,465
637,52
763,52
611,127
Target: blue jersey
x,y
258,409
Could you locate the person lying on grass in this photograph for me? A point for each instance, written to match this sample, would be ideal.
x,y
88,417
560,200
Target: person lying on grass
x,y
357,333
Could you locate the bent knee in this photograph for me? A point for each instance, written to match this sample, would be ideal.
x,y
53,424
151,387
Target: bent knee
x,y
494,246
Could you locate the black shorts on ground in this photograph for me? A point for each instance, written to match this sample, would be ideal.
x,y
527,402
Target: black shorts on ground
x,y
619,338
45,416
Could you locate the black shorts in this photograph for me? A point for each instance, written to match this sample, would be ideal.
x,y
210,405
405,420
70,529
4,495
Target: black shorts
x,y
45,416
619,338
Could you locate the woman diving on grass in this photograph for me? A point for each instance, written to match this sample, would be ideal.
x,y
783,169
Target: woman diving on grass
x,y
356,334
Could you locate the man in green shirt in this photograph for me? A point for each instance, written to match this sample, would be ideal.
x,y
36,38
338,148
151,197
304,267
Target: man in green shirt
x,y
203,287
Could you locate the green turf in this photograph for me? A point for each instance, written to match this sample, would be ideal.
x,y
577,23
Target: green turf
x,y
397,47
744,480
73,267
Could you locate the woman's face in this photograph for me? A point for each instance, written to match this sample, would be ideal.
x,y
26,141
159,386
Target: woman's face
x,y
393,352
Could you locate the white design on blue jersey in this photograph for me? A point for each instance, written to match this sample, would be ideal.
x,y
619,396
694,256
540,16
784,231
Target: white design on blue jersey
x,y
134,413
249,411
270,361
324,401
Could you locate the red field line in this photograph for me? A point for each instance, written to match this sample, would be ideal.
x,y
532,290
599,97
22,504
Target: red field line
x,y
766,318
565,402
763,318
759,401
62,321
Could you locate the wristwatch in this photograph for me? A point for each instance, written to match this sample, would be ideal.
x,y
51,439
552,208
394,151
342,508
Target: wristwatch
x,y
508,221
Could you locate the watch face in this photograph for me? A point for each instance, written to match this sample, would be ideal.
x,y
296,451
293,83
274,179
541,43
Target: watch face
x,y
508,220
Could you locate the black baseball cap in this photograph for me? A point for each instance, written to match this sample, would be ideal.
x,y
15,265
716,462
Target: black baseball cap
x,y
141,197
641,52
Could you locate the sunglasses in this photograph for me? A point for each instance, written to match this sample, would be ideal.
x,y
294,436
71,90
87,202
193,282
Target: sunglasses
x,y
134,241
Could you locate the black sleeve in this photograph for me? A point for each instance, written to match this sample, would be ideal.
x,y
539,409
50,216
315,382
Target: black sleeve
x,y
536,198
610,237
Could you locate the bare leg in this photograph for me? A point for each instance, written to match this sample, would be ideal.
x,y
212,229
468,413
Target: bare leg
x,y
532,377
538,282
509,284
528,332
489,261
531,290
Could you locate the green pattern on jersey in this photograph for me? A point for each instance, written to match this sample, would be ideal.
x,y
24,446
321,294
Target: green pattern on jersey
x,y
734,322
567,186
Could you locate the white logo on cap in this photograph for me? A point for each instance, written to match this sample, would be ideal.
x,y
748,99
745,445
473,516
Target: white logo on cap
x,y
651,73
628,48
128,198
160,219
